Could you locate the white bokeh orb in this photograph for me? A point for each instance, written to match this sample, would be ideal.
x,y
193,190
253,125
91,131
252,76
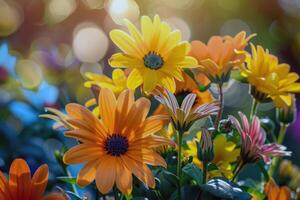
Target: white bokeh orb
x,y
90,43
121,9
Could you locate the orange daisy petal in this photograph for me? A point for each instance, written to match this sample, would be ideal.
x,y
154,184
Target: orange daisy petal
x,y
19,179
55,196
124,178
88,173
107,108
83,136
140,170
39,182
151,125
106,174
4,193
83,153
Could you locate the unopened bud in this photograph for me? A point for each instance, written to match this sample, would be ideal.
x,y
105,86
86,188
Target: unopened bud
x,y
287,114
225,126
205,150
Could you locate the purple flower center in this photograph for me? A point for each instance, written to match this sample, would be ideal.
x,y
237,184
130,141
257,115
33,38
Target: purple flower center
x,y
116,145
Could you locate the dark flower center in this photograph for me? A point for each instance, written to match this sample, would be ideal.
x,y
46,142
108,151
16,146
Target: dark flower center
x,y
116,145
153,60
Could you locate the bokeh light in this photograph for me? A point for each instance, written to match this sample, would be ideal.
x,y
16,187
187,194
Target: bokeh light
x,y
58,10
90,43
10,17
94,4
121,9
29,73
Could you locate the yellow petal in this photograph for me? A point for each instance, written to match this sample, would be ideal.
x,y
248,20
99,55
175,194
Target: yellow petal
x,y
125,43
168,83
134,79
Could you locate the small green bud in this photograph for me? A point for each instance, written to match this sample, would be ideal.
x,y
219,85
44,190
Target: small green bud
x,y
205,150
287,114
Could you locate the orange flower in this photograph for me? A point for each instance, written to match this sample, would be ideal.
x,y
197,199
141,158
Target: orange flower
x,y
118,145
21,186
220,55
273,192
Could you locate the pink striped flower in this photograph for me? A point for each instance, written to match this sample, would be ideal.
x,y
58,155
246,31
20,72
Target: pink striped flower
x,y
253,138
185,115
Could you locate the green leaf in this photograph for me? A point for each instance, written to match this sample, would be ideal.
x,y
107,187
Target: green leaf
x,y
66,179
223,188
194,172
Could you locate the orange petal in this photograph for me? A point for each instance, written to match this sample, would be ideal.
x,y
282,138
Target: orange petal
x,y
4,193
83,136
284,194
106,174
151,125
146,156
137,114
19,179
88,173
124,178
271,190
107,108
83,153
39,182
55,196
140,170
124,104
81,113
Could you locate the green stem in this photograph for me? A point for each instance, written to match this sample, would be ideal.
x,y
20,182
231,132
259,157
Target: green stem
x,y
280,140
282,133
221,99
179,170
238,169
204,172
253,108
116,193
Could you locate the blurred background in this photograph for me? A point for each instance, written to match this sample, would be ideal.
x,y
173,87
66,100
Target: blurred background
x,y
46,46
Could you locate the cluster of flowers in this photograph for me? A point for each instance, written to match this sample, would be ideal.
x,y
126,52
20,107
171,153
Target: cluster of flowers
x,y
119,140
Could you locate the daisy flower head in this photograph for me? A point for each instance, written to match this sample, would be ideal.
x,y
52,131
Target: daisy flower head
x,y
269,79
220,55
119,144
253,147
155,55
21,185
184,116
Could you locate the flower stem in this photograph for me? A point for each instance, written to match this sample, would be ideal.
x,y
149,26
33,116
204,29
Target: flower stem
x,y
179,143
280,140
253,108
240,165
282,133
204,172
116,193
221,99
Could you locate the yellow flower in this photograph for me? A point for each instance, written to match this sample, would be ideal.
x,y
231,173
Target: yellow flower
x,y
220,55
156,55
225,153
96,81
118,145
269,78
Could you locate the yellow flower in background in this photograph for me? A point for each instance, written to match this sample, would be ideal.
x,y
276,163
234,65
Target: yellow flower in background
x,y
225,152
220,55
156,55
269,77
117,84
